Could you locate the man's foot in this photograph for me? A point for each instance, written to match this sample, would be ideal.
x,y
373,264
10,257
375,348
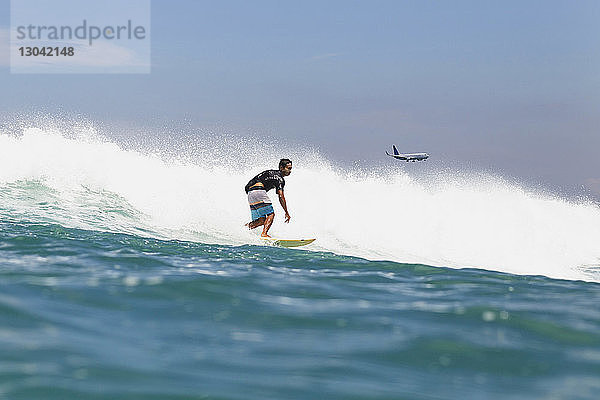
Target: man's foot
x,y
264,235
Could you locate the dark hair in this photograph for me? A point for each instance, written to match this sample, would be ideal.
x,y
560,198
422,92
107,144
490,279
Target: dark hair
x,y
283,162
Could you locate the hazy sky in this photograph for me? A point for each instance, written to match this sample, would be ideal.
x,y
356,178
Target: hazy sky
x,y
508,86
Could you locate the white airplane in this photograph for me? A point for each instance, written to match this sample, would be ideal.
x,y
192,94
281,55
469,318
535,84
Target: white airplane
x,y
408,157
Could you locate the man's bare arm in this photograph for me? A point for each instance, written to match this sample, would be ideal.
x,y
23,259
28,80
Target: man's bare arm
x,y
283,205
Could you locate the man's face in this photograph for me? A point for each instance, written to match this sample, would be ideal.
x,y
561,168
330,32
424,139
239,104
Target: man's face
x,y
287,169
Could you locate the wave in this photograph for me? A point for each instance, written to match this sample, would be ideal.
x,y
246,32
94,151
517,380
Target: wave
x,y
478,220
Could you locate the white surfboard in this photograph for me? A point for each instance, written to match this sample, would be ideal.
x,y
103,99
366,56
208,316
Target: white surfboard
x,y
287,242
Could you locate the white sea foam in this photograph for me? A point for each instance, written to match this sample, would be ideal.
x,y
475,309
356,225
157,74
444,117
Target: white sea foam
x,y
471,220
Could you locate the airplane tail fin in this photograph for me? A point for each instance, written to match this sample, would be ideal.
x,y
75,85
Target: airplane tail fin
x,y
395,150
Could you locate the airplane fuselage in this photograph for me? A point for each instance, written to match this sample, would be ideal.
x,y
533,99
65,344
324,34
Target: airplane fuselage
x,y
410,156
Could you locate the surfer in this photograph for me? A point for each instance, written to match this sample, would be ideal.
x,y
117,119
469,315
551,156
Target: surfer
x,y
260,203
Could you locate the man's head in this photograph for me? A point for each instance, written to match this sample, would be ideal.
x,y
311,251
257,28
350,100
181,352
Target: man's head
x,y
285,166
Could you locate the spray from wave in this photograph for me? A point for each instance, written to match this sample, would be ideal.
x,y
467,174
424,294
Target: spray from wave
x,y
80,179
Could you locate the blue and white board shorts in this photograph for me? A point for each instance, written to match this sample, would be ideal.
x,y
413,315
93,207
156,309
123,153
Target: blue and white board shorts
x,y
260,204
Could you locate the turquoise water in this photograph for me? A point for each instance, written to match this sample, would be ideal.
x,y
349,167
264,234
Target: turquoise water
x,y
127,274
94,315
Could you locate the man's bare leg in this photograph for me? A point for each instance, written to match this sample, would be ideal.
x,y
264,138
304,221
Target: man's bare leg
x,y
256,223
267,224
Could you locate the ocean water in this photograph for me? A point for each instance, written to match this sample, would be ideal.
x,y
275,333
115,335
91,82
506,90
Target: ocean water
x,y
127,274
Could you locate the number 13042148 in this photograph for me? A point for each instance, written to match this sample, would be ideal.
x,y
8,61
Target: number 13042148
x,y
46,51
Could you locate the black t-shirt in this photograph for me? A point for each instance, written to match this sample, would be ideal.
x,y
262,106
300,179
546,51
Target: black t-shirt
x,y
270,179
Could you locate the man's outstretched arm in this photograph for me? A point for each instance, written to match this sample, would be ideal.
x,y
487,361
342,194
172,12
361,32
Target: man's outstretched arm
x,y
283,205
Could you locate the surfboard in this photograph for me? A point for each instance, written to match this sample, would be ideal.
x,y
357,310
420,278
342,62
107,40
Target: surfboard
x,y
287,242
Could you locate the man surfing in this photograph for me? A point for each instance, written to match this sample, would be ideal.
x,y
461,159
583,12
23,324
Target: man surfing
x,y
260,203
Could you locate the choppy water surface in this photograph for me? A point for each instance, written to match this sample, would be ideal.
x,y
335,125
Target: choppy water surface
x,y
127,275
113,316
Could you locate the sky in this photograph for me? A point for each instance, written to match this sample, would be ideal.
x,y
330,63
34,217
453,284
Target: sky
x,y
511,87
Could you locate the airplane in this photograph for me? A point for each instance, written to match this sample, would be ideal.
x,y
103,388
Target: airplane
x,y
408,157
